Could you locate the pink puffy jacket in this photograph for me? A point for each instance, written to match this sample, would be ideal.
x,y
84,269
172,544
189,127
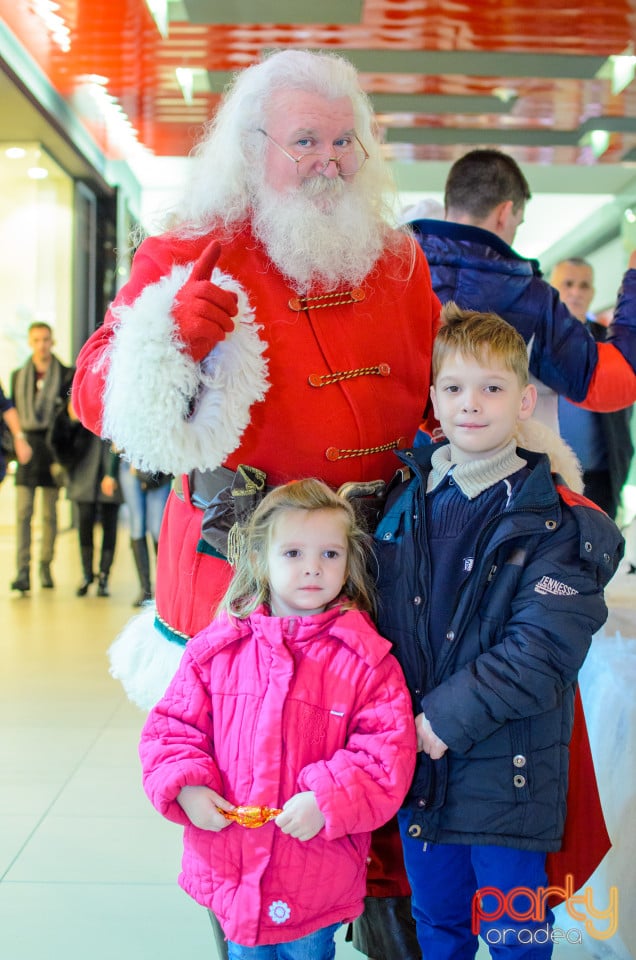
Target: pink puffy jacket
x,y
259,710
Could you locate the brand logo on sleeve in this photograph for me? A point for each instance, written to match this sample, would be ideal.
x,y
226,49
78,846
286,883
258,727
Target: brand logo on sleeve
x,y
555,587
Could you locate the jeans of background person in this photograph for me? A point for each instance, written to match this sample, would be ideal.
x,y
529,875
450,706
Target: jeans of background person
x,y
444,878
316,946
145,508
25,504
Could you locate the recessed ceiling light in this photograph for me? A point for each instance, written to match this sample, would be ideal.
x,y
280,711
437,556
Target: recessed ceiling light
x,y
15,153
37,173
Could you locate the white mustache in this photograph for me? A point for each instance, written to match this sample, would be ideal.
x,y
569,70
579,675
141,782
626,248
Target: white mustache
x,y
315,186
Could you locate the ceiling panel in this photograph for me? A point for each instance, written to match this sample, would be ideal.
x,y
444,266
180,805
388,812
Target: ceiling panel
x,y
271,11
443,76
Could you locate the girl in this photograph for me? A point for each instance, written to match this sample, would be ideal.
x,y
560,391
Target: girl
x,y
289,710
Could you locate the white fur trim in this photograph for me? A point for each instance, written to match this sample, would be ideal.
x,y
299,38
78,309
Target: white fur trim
x,y
152,382
143,660
534,435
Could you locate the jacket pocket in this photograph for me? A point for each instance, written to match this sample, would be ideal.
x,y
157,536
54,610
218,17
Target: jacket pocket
x,y
428,788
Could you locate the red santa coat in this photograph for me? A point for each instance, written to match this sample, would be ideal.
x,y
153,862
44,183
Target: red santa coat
x,y
341,381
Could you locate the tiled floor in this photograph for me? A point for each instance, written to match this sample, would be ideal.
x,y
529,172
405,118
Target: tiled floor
x,y
87,868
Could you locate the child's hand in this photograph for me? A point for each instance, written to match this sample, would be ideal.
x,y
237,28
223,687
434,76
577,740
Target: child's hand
x,y
301,817
427,741
201,804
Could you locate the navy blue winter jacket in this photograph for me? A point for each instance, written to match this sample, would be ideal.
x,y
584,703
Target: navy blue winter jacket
x,y
501,694
477,270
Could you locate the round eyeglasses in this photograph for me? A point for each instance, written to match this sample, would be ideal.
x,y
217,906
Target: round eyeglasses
x,y
348,161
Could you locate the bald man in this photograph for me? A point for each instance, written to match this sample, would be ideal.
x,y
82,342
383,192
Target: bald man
x,y
574,279
602,442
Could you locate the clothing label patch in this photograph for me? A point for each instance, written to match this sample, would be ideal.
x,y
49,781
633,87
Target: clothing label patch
x,y
279,911
468,564
555,587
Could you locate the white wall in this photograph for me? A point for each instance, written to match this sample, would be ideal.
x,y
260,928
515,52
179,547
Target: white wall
x,y
36,218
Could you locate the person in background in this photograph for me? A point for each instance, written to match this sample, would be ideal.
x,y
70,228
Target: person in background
x,y
289,715
601,441
35,389
473,263
145,495
489,539
15,437
90,476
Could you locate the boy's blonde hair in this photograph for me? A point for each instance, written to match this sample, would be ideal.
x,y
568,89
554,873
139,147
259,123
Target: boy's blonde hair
x,y
481,336
250,585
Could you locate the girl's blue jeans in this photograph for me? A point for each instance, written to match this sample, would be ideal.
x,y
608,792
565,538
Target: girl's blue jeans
x,y
316,946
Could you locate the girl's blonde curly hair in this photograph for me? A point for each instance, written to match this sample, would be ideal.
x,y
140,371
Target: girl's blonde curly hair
x,y
250,585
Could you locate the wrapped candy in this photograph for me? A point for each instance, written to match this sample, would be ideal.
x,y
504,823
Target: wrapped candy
x,y
251,816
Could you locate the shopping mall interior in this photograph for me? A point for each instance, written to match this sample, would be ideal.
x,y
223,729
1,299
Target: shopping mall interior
x,y
101,104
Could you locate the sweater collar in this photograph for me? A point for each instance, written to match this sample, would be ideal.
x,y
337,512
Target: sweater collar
x,y
474,477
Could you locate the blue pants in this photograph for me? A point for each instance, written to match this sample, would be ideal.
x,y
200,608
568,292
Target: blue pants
x,y
316,946
145,508
444,879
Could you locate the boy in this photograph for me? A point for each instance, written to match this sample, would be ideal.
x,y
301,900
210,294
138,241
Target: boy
x,y
491,586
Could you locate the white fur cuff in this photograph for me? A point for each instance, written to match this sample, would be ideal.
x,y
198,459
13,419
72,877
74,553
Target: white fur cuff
x,y
152,384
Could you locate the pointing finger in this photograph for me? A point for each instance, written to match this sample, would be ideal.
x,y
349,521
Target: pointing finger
x,y
202,270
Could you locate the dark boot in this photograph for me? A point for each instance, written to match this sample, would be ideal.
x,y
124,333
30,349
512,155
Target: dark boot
x,y
22,582
142,562
86,554
104,570
46,580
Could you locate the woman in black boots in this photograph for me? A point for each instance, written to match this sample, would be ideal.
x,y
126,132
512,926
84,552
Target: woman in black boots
x,y
145,495
91,479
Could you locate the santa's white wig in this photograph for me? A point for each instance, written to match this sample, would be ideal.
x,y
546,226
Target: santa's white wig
x,y
231,151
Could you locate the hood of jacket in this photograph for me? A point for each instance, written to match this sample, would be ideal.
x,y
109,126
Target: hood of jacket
x,y
353,627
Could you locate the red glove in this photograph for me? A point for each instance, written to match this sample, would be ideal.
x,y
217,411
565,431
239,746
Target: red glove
x,y
203,312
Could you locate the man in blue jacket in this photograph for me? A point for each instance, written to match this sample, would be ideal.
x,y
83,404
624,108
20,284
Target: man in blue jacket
x,y
472,262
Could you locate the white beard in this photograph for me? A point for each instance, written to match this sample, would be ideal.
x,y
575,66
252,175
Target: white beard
x,y
326,233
